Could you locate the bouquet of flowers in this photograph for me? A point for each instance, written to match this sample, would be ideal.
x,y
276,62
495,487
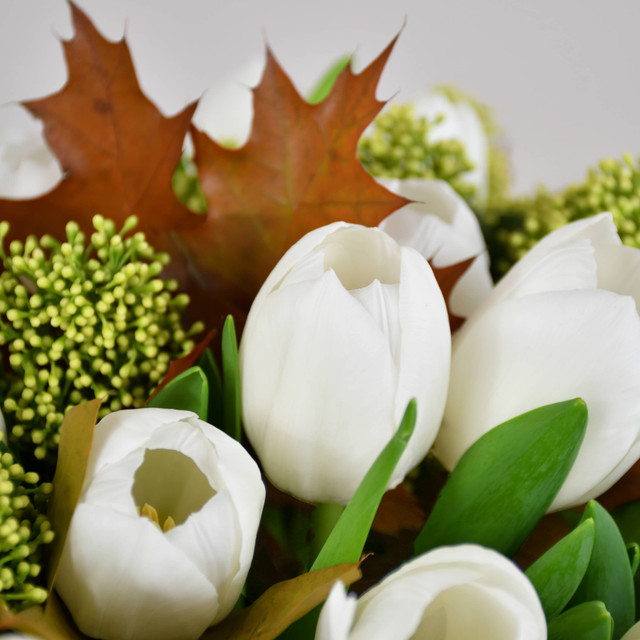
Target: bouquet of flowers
x,y
429,427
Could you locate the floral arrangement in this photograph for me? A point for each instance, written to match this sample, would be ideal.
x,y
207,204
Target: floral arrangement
x,y
430,427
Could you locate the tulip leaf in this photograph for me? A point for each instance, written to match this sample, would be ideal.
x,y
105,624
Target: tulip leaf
x,y
587,621
76,437
215,413
231,379
324,86
188,391
282,604
557,574
346,541
608,577
506,481
633,551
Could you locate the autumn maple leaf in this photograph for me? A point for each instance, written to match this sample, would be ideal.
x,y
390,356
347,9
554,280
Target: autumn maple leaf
x,y
118,152
298,171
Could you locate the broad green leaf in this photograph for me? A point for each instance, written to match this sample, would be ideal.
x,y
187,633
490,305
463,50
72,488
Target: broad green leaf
x,y
627,518
557,574
282,604
76,438
608,577
506,480
587,621
323,88
346,541
189,391
215,414
231,379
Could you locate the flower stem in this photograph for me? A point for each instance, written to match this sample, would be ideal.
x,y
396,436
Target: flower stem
x,y
323,519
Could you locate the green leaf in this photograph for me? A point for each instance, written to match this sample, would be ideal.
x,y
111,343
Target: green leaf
x,y
587,621
215,414
505,481
608,577
231,379
323,88
346,541
352,528
189,391
557,574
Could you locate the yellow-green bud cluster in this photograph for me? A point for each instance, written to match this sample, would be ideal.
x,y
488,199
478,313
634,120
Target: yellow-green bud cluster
x,y
615,186
399,146
84,320
23,531
187,188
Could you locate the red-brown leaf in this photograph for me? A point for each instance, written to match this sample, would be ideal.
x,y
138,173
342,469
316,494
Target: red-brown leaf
x,y
447,278
117,150
298,171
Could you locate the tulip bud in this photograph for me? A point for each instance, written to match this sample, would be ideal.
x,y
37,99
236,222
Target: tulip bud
x,y
347,329
126,573
454,592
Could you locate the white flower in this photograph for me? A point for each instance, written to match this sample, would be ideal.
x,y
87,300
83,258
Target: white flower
x,y
461,122
450,593
121,576
347,329
442,227
556,327
27,166
633,633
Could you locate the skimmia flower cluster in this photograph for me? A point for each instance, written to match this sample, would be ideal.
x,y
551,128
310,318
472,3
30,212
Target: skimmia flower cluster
x,y
84,318
517,226
23,532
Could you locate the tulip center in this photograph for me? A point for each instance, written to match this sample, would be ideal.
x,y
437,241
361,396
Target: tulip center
x,y
168,487
360,256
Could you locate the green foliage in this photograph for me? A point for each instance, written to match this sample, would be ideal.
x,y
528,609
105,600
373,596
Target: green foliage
x,y
23,532
187,187
507,480
514,227
231,380
557,574
84,320
189,391
608,577
587,621
346,541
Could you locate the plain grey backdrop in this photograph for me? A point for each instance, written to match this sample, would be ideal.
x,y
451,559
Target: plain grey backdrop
x,y
561,75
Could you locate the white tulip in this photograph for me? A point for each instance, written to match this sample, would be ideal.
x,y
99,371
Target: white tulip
x,y
450,593
27,166
461,122
633,633
347,329
556,327
441,226
121,575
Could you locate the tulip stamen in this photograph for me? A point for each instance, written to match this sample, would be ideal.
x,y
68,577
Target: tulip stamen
x,y
149,511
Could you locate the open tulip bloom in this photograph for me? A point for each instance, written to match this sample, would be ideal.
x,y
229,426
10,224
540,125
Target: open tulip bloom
x,y
382,396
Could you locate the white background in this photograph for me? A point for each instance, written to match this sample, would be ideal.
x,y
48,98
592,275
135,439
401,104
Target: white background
x,y
562,76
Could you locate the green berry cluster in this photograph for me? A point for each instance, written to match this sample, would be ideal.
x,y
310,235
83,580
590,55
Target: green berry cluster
x,y
23,531
399,147
614,186
81,321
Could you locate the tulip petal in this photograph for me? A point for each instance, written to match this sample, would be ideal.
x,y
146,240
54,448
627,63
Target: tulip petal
x,y
337,615
134,426
442,228
303,391
148,565
544,348
425,337
633,633
619,270
466,590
